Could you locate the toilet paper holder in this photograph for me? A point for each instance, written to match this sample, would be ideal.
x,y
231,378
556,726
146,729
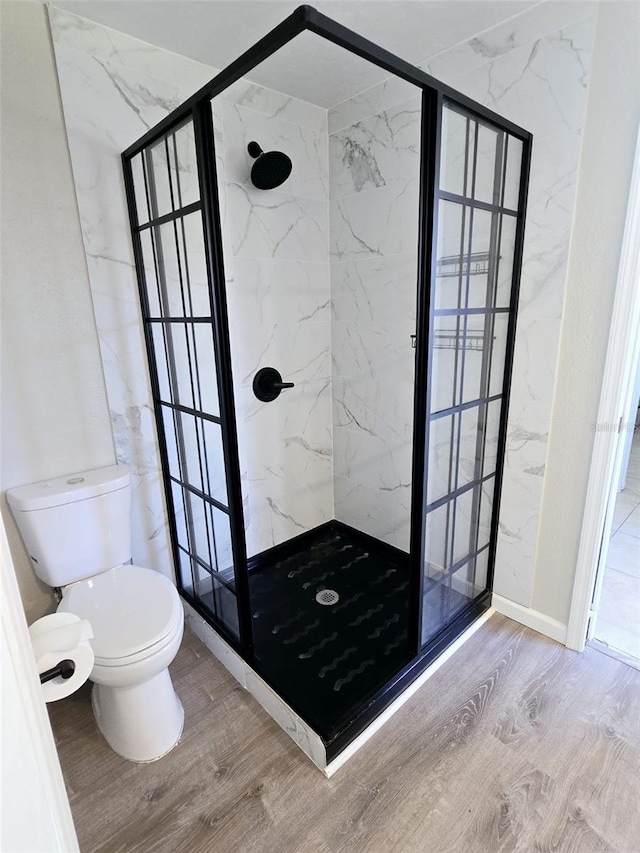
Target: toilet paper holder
x,y
65,669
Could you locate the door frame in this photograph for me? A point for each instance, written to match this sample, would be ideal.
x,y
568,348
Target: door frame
x,y
623,355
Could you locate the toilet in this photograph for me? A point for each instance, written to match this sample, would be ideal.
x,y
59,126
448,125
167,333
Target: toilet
x,y
77,531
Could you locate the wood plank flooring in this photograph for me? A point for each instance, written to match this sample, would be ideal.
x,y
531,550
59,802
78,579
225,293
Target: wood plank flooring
x,y
516,744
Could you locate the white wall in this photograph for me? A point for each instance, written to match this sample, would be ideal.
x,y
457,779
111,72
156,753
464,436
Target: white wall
x,y
606,163
55,418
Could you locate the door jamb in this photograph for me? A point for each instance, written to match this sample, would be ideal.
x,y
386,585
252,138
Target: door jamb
x,y
623,354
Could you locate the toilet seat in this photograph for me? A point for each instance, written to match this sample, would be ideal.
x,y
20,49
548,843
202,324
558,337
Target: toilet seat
x,y
133,611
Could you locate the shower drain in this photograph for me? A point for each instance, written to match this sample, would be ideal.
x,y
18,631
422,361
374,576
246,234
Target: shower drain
x,y
327,596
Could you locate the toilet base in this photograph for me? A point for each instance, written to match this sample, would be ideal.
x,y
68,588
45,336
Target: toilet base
x,y
141,722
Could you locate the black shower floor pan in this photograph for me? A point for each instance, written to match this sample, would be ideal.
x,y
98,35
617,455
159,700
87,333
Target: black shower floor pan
x,y
337,665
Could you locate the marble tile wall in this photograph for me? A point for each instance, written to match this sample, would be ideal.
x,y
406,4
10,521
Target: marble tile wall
x,y
113,89
277,270
374,170
534,70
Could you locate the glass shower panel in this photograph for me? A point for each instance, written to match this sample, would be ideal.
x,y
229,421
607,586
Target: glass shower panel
x,y
471,296
179,319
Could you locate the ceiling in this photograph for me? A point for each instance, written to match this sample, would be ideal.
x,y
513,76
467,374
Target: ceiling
x,y
217,31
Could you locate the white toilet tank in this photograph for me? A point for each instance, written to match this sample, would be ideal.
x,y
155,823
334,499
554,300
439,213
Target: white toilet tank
x,y
75,526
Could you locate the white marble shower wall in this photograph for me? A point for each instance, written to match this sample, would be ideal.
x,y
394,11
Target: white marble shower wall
x,y
278,288
533,70
114,88
374,169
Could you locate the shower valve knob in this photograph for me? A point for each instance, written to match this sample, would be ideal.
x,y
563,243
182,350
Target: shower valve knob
x,y
267,384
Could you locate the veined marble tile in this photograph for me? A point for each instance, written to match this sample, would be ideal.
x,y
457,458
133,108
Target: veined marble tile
x,y
377,151
534,361
308,741
272,103
382,406
288,451
465,58
384,515
290,479
299,417
307,149
372,349
273,291
104,44
382,96
371,460
107,106
376,289
533,24
540,86
300,351
272,224
548,225
517,535
383,221
528,436
285,504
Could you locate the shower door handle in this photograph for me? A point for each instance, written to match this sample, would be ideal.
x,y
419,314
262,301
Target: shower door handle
x,y
267,384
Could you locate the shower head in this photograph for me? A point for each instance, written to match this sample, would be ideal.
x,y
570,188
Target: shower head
x,y
271,168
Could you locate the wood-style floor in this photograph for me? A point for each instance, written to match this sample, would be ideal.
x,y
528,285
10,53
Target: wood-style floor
x,y
515,744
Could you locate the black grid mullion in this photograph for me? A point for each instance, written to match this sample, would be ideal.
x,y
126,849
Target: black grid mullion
x,y
503,183
194,207
197,399
168,341
174,206
465,179
462,407
456,493
179,265
187,410
220,578
454,510
488,337
167,321
475,203
472,555
453,312
175,160
460,301
196,491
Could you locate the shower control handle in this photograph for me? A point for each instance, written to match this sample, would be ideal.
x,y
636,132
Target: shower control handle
x,y
267,384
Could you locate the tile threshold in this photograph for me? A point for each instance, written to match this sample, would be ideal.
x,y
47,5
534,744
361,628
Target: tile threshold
x,y
611,651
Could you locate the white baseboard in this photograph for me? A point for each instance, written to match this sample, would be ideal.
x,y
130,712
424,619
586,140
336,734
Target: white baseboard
x,y
531,618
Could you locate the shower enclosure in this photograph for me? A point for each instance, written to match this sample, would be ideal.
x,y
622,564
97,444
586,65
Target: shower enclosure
x,y
330,328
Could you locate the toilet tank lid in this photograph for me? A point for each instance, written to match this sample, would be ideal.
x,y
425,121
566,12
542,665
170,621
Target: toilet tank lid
x,y
69,489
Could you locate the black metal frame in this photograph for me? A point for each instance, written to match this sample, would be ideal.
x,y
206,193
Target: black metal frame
x,y
198,109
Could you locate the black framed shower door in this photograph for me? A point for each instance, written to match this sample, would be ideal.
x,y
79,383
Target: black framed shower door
x,y
470,242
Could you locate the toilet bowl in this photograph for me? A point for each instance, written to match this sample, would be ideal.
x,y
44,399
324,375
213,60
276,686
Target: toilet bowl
x,y
137,623
77,532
